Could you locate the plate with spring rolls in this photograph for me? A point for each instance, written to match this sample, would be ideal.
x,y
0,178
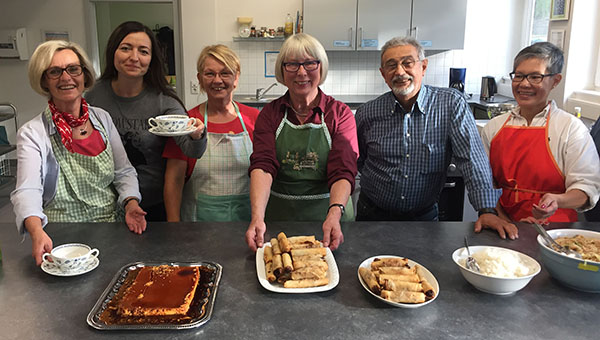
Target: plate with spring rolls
x,y
398,281
296,264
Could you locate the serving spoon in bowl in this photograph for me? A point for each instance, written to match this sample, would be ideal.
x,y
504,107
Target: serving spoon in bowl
x,y
552,244
471,263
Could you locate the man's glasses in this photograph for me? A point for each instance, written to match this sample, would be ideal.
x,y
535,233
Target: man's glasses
x,y
309,65
406,64
532,78
56,72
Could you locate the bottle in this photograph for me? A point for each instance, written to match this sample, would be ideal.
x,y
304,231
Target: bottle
x,y
577,112
289,26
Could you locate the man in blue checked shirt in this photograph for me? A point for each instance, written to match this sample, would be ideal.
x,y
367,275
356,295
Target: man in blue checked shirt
x,y
406,139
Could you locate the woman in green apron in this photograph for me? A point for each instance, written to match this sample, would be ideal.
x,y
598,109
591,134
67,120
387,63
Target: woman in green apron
x,y
72,166
218,186
305,149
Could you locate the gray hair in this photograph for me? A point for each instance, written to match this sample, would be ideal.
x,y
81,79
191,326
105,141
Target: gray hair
x,y
299,45
42,58
403,41
545,51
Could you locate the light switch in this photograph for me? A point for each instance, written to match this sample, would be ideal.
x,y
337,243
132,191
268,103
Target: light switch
x,y
194,87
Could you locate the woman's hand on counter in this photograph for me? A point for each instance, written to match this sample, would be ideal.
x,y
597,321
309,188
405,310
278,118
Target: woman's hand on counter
x,y
40,241
135,217
332,231
255,234
503,227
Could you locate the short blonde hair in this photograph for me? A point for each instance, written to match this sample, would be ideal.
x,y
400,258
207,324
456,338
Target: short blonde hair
x,y
300,45
42,58
223,54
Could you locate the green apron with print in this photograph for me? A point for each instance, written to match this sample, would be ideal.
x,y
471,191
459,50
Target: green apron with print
x,y
219,187
84,191
300,191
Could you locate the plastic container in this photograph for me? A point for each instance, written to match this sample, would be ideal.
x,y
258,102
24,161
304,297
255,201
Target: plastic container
x,y
289,26
577,112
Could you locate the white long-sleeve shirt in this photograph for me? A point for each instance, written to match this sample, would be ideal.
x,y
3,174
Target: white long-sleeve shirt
x,y
570,143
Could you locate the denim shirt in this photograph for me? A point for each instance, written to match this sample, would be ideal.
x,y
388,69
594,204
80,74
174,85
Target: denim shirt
x,y
404,155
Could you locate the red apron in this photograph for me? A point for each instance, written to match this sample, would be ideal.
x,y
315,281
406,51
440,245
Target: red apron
x,y
523,166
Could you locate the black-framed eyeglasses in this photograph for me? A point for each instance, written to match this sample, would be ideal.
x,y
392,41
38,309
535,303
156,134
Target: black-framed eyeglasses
x,y
309,65
532,78
56,72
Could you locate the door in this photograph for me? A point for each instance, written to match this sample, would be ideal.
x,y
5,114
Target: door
x,y
439,25
332,22
381,20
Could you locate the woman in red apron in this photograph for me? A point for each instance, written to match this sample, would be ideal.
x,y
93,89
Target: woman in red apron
x,y
542,157
305,149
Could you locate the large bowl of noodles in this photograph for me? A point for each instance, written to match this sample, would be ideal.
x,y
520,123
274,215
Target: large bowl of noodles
x,y
581,274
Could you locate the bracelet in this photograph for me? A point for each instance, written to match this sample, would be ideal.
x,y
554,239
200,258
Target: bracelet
x,y
487,211
342,208
129,199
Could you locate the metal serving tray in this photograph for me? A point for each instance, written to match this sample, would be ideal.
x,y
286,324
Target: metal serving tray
x,y
207,302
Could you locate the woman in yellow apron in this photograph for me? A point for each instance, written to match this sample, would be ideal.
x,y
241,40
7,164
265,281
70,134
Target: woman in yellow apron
x,y
305,149
217,188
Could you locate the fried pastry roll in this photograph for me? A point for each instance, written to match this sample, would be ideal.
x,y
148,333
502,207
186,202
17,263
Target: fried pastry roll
x,y
268,254
284,277
427,289
308,251
277,265
307,258
305,245
389,262
394,277
275,246
269,272
309,273
370,280
402,285
398,270
303,264
287,262
306,283
403,296
302,239
284,244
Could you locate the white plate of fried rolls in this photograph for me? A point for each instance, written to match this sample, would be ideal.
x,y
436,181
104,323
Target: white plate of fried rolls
x,y
398,281
296,264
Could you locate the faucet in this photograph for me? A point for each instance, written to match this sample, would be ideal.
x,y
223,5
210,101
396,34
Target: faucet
x,y
260,92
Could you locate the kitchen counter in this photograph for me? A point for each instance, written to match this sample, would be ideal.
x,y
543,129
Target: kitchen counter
x,y
35,305
480,107
354,101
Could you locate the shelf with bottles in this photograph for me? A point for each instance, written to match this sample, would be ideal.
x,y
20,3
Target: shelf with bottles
x,y
255,39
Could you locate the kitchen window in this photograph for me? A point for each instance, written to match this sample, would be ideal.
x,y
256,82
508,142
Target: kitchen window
x,y
540,18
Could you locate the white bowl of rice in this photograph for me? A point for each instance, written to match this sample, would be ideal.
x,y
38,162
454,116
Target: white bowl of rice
x,y
502,271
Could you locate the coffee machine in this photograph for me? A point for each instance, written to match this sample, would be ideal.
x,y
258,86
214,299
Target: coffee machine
x,y
457,78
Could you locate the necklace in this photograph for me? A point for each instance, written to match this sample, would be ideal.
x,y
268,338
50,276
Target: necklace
x,y
303,115
83,131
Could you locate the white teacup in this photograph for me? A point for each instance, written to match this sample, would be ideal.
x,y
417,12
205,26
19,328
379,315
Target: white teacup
x,y
71,256
171,123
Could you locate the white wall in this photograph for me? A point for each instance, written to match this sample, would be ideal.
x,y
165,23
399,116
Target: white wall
x,y
37,16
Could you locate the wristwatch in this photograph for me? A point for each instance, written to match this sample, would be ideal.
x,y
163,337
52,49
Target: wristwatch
x,y
342,208
487,211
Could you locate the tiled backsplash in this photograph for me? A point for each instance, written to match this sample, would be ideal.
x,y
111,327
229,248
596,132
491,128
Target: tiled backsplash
x,y
349,72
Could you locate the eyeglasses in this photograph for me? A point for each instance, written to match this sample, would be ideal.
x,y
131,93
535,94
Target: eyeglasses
x,y
532,78
222,75
309,65
56,72
406,64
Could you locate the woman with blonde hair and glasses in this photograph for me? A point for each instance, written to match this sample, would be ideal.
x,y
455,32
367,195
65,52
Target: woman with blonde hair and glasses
x,y
542,157
218,184
305,149
72,166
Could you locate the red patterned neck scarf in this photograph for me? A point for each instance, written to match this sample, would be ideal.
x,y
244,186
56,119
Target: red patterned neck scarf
x,y
65,121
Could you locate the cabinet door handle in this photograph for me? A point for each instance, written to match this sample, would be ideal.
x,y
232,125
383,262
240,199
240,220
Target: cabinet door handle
x,y
350,38
409,32
361,37
416,30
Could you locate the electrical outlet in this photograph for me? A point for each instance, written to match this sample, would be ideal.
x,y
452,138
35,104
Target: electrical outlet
x,y
194,87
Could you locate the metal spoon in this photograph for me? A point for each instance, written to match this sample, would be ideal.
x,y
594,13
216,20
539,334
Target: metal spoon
x,y
552,244
471,263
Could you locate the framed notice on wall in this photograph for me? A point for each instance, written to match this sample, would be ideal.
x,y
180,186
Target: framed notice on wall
x,y
270,59
56,35
557,37
559,10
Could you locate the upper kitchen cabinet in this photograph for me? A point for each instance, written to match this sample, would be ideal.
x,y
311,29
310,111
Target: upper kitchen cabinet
x,y
351,25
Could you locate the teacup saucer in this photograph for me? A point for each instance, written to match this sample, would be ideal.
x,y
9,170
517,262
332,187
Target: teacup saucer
x,y
52,269
162,133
